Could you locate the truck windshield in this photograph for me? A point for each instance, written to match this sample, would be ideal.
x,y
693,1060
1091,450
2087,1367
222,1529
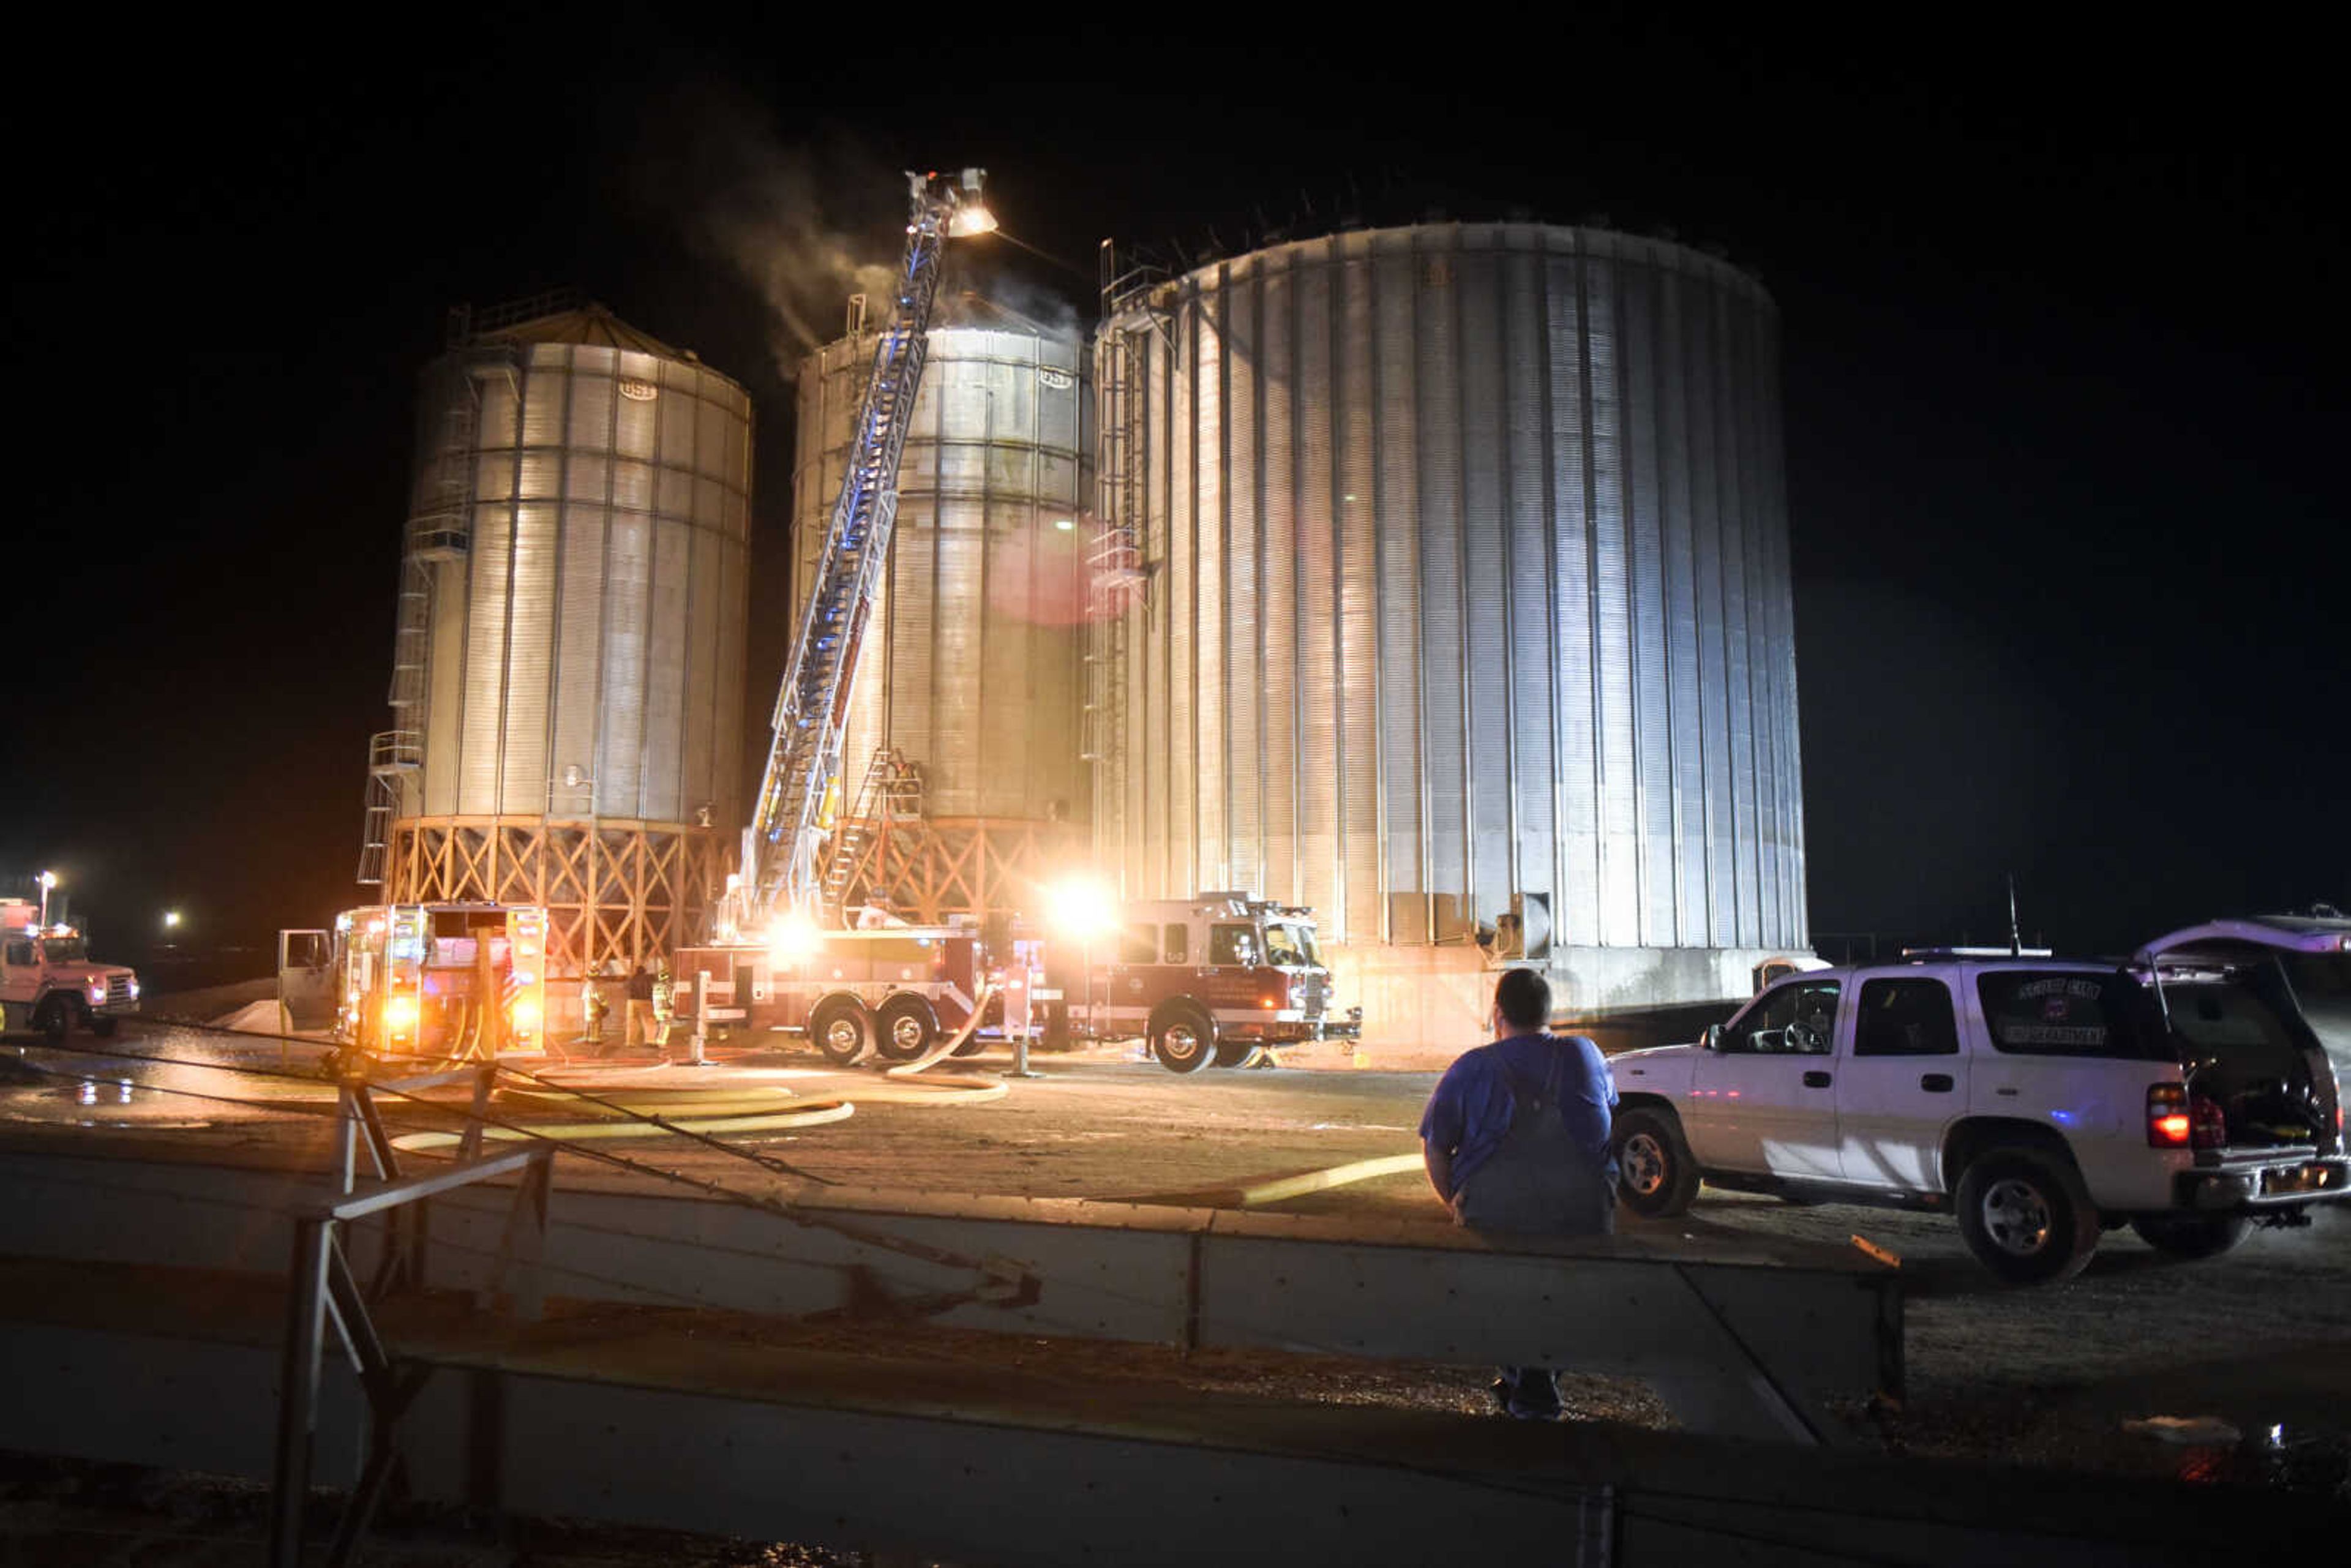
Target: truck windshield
x,y
1290,945
64,951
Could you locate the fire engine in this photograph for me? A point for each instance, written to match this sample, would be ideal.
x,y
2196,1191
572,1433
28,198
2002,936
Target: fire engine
x,y
894,991
48,982
1212,978
440,979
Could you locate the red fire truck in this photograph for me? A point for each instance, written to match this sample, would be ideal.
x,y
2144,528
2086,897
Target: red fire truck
x,y
1207,979
894,991
439,979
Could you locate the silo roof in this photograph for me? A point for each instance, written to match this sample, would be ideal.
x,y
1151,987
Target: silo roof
x,y
589,323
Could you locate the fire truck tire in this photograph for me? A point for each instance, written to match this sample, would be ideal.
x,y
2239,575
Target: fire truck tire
x,y
1182,1038
906,1028
1233,1052
843,1031
53,1018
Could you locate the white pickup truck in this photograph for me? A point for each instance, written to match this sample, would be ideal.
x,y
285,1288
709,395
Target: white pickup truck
x,y
49,982
2042,1100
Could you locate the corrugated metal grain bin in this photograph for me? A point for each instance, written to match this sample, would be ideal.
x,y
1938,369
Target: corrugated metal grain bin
x,y
1468,557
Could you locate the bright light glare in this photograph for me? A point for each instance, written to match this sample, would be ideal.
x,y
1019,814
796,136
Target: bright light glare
x,y
793,938
526,1014
170,920
1063,524
1080,907
971,219
399,1013
48,878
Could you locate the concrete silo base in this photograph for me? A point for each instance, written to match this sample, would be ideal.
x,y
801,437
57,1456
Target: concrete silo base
x,y
1425,1006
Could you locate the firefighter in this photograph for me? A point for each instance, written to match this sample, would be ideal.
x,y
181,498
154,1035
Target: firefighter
x,y
640,1006
664,1006
592,1008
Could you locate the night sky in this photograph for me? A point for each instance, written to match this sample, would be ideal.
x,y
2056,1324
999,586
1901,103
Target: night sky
x,y
2062,326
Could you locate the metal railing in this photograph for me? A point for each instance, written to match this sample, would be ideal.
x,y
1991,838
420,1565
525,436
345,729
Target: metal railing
x,y
322,1290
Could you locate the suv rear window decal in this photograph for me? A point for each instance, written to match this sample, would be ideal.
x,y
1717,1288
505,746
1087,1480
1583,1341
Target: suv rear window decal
x,y
2031,1014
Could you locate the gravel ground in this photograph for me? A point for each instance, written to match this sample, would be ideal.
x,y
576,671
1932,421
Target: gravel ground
x,y
2259,1339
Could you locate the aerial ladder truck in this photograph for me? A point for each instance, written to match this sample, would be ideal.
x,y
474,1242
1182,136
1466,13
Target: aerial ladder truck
x,y
854,993
780,872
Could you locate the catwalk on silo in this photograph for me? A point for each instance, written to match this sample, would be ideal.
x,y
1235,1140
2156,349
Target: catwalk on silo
x,y
1467,592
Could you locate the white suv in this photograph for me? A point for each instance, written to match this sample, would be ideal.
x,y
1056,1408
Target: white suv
x,y
2042,1100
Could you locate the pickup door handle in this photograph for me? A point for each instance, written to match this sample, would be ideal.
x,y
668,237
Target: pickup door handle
x,y
1936,1083
1816,1080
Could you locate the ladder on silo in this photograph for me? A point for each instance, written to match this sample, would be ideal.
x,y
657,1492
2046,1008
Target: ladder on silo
x,y
784,857
439,528
1116,577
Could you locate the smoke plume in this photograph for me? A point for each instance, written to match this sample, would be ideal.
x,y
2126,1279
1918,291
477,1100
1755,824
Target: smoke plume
x,y
805,226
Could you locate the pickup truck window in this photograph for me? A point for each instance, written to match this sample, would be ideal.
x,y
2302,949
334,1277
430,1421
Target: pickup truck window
x,y
1791,1020
2038,1013
1907,1018
20,952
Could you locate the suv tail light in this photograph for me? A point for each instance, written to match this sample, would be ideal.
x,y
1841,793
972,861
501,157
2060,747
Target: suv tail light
x,y
2179,1120
2208,1129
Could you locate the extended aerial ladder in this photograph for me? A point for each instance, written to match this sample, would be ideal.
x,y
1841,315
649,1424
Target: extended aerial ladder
x,y
782,848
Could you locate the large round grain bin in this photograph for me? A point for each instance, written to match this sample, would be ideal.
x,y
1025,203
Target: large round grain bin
x,y
1463,594
971,678
568,683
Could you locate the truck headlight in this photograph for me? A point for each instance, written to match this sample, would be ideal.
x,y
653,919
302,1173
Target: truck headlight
x,y
526,1014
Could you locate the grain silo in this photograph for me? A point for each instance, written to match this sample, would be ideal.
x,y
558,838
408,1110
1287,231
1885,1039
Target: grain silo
x,y
568,673
971,679
1462,591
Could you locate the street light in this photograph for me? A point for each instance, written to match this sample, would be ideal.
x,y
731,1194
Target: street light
x,y
48,881
170,920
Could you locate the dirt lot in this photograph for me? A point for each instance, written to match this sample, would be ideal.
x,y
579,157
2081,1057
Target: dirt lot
x,y
2259,1339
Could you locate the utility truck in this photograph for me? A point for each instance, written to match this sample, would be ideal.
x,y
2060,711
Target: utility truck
x,y
48,982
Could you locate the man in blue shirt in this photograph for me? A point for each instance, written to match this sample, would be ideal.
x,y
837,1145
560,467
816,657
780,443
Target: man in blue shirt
x,y
1516,1140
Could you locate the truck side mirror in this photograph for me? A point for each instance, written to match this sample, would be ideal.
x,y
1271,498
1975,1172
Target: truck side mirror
x,y
1712,1038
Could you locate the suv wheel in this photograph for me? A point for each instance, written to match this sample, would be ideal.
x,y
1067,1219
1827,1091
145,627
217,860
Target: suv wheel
x,y
2192,1235
1655,1176
2026,1217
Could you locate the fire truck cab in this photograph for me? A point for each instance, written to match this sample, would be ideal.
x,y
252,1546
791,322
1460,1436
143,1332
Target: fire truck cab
x,y
892,991
440,979
48,982
1212,978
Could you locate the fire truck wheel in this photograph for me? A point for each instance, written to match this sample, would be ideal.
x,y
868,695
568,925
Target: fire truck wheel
x,y
1184,1039
1233,1052
907,1028
843,1032
53,1018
